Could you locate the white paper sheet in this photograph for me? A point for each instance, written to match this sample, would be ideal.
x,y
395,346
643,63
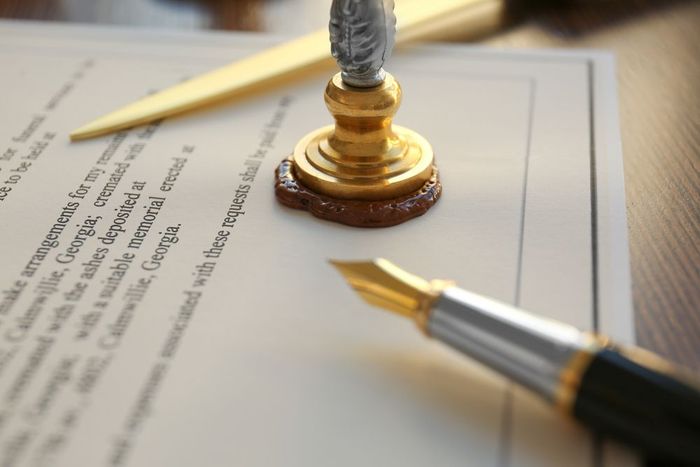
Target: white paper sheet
x,y
141,341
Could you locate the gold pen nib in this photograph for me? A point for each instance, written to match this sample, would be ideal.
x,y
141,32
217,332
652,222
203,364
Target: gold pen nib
x,y
381,283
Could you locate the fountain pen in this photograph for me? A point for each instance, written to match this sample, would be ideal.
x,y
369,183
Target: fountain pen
x,y
626,393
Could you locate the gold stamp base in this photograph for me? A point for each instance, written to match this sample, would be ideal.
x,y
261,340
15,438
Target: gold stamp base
x,y
362,171
401,166
357,213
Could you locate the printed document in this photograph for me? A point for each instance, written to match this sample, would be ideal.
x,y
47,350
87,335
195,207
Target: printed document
x,y
158,307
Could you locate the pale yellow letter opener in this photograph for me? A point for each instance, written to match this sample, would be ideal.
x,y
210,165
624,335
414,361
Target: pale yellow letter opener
x,y
417,19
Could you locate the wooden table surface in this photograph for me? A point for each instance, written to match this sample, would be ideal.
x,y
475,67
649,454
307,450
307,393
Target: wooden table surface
x,y
657,44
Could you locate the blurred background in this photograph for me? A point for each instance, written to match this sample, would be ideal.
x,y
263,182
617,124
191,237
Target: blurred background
x,y
657,46
298,16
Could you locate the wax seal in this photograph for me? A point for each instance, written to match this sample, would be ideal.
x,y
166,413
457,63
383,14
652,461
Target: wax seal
x,y
363,171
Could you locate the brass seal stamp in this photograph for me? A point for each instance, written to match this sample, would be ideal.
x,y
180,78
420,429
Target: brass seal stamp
x,y
363,171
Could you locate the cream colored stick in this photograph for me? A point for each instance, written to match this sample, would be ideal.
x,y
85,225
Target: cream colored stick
x,y
417,19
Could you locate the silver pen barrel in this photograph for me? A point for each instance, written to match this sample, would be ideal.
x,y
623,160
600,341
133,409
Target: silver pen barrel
x,y
531,350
